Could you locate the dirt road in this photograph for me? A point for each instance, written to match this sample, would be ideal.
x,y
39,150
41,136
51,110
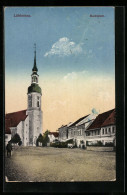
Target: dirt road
x,y
48,164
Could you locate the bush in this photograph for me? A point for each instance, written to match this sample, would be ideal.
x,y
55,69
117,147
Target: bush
x,y
59,145
45,138
109,144
16,139
99,143
70,141
56,144
20,143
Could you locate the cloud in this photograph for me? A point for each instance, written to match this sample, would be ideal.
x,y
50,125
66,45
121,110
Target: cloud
x,y
74,75
64,47
70,76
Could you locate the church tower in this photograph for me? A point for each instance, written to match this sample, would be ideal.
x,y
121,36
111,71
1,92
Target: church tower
x,y
34,105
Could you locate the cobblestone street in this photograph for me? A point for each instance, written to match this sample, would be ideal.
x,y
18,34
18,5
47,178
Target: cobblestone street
x,y
48,164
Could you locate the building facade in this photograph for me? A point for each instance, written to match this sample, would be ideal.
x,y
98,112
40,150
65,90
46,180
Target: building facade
x,y
91,129
27,123
77,129
63,132
53,136
103,129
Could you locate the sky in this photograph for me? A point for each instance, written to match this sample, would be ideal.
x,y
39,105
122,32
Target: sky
x,y
75,60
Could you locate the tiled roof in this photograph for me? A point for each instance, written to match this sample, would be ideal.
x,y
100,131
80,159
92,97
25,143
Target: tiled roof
x,y
111,120
104,119
13,119
73,124
54,133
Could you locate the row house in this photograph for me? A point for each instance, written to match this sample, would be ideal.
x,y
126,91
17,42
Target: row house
x,y
53,136
103,129
77,129
91,129
63,132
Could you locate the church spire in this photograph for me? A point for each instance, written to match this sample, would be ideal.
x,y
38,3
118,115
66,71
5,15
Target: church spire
x,y
35,67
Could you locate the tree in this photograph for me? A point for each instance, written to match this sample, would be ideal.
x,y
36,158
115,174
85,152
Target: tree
x,y
16,139
45,138
39,139
20,143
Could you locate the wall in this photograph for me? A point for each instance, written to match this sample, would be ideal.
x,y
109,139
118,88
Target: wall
x,y
35,119
51,137
104,138
26,132
7,138
13,131
63,133
19,130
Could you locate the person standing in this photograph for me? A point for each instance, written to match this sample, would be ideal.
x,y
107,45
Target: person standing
x,y
9,149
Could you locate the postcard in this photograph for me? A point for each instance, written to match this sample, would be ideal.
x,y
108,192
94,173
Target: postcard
x,y
60,116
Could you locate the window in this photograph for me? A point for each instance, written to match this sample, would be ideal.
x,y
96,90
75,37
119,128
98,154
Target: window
x,y
103,131
113,129
109,130
80,132
30,101
37,103
35,79
106,131
98,132
87,133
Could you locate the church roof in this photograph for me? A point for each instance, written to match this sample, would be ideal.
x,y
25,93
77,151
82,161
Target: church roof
x,y
104,119
35,67
34,88
13,119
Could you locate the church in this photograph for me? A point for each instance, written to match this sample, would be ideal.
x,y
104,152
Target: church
x,y
27,123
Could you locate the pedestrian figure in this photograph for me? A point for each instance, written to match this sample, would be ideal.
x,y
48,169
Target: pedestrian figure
x,y
9,149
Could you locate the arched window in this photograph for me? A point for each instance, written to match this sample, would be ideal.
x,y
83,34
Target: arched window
x,y
37,101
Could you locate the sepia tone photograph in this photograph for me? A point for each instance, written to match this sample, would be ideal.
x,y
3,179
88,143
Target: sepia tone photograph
x,y
60,116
